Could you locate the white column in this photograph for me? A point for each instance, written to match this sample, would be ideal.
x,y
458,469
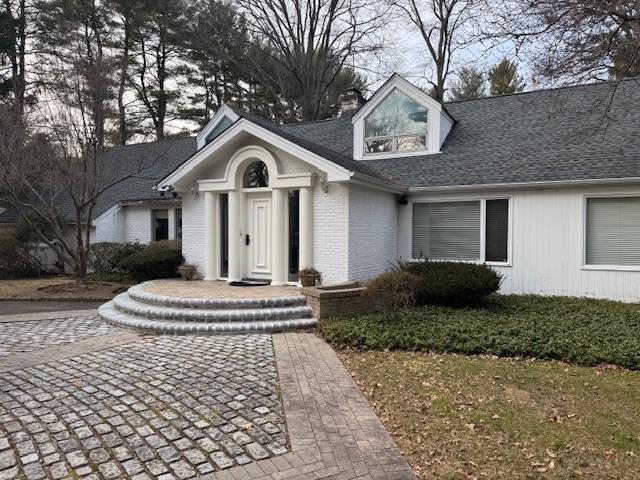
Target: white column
x,y
306,227
210,219
278,274
235,261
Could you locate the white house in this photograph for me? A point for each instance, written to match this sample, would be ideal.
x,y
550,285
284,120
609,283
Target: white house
x,y
543,186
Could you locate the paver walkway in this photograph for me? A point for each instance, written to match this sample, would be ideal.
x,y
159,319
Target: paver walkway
x,y
110,403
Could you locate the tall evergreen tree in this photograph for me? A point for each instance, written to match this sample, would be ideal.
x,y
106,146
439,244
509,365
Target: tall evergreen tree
x,y
216,39
470,84
504,78
14,33
158,47
74,35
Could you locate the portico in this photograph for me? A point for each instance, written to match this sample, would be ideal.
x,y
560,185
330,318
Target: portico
x,y
258,221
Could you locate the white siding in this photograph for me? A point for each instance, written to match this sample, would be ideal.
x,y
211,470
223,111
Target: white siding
x,y
373,232
547,245
137,224
331,232
193,231
110,226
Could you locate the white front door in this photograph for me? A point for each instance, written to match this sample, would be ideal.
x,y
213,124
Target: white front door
x,y
257,240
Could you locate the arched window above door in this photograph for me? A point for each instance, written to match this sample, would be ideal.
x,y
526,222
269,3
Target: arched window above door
x,y
256,175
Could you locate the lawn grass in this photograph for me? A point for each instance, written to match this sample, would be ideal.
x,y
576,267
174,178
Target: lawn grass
x,y
57,287
473,417
582,331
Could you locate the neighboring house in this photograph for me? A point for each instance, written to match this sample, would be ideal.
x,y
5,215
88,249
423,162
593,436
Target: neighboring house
x,y
132,211
543,186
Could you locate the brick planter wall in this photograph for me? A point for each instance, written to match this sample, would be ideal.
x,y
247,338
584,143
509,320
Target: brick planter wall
x,y
340,299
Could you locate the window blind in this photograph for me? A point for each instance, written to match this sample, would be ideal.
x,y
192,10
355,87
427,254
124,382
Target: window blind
x,y
446,230
496,230
613,231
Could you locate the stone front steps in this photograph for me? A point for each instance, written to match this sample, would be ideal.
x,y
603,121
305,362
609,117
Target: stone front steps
x,y
146,311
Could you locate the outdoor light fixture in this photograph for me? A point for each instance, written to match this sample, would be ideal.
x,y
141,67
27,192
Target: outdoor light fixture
x,y
403,200
324,186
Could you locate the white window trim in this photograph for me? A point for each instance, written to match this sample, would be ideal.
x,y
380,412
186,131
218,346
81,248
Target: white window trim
x,y
583,254
434,121
483,231
394,140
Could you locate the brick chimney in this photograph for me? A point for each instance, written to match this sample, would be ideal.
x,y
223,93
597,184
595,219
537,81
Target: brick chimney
x,y
350,102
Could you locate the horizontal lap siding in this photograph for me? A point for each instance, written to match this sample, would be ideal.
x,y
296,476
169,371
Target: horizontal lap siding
x,y
547,250
193,230
331,232
373,232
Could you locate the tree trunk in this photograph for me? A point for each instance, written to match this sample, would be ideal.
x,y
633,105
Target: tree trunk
x,y
123,133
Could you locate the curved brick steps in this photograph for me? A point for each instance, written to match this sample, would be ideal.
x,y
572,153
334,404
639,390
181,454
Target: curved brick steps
x,y
138,293
145,311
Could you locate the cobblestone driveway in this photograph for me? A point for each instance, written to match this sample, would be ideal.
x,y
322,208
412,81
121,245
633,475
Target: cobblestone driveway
x,y
30,336
157,407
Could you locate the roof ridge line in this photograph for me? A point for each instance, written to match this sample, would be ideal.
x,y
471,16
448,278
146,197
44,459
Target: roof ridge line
x,y
548,89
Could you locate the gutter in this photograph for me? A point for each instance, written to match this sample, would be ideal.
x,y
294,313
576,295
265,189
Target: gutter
x,y
527,185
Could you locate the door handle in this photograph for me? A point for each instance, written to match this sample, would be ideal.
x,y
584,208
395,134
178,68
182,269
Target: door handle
x,y
247,239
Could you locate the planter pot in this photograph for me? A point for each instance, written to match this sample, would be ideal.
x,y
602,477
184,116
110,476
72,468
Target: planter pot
x,y
187,272
308,279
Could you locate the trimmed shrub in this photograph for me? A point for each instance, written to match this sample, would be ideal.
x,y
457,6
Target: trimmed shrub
x,y
452,283
394,289
153,263
15,259
105,260
166,245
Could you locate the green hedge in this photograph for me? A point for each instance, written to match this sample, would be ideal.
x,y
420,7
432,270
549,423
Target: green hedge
x,y
451,283
153,263
105,260
583,331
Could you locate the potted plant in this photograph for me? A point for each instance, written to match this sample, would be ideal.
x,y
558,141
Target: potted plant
x,y
309,277
187,271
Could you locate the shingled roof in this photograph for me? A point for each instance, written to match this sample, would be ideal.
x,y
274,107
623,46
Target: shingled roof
x,y
586,132
158,159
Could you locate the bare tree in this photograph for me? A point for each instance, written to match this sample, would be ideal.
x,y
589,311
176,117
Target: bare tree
x,y
440,24
52,176
307,43
572,40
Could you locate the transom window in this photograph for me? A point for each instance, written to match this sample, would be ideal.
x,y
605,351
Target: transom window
x,y
256,175
397,124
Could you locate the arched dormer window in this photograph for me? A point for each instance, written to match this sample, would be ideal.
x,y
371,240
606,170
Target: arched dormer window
x,y
397,124
256,175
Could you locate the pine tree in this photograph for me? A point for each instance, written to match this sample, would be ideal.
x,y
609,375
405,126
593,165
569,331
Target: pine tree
x,y
504,78
470,84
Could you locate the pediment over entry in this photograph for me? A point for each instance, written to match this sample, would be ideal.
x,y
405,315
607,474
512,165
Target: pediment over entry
x,y
213,163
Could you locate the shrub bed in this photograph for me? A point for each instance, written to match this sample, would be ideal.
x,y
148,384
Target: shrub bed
x,y
582,331
15,259
451,283
153,263
105,260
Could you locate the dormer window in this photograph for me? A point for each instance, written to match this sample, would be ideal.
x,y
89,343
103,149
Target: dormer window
x,y
397,124
225,123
